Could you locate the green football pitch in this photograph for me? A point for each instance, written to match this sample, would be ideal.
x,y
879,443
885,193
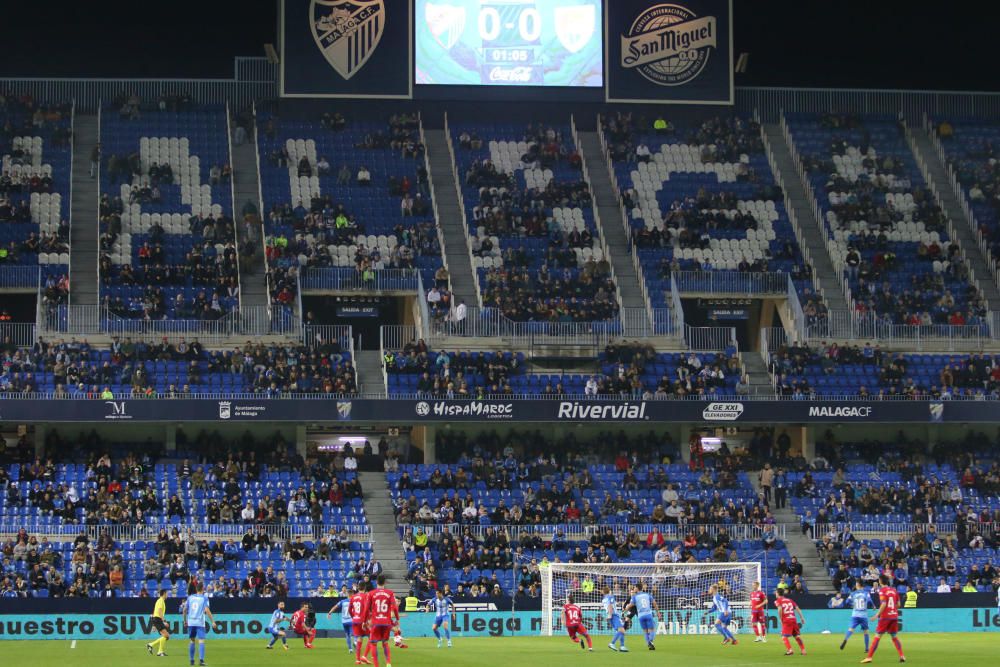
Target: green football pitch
x,y
978,649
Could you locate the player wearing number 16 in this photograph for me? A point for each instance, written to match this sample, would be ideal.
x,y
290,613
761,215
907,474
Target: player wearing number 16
x,y
383,613
888,618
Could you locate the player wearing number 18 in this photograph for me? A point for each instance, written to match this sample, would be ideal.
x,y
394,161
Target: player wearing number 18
x,y
888,618
573,618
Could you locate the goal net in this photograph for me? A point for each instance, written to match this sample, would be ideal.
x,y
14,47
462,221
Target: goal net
x,y
680,591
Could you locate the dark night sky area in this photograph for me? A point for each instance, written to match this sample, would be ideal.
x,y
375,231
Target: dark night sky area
x,y
799,43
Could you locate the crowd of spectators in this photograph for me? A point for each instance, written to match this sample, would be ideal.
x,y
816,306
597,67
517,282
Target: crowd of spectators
x,y
533,236
898,261
805,372
140,369
344,219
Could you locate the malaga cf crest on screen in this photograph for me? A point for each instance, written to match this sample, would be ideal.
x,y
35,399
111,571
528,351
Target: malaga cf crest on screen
x,y
446,23
575,25
347,31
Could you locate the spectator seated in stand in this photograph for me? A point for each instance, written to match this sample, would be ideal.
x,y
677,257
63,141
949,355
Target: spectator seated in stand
x,y
539,508
295,525
833,370
885,225
35,175
702,198
531,223
626,370
371,209
168,243
136,369
857,508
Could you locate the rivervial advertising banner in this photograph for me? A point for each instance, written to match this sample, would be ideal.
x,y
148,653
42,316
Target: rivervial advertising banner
x,y
670,51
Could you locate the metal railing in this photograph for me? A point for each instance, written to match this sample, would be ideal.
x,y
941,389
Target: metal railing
x,y
251,321
149,530
20,277
770,103
317,334
21,334
731,282
346,279
710,339
394,337
461,207
491,323
578,532
846,325
795,309
876,529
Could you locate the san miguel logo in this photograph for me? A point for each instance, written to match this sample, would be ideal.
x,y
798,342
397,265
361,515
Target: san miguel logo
x,y
669,44
347,31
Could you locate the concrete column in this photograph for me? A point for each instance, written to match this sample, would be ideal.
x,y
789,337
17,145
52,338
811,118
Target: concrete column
x,y
430,450
39,440
807,436
300,440
170,439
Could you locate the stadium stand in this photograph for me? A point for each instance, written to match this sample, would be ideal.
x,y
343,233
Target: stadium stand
x,y
342,193
701,197
492,518
536,249
35,174
885,229
834,370
931,521
968,145
138,369
260,522
625,370
168,244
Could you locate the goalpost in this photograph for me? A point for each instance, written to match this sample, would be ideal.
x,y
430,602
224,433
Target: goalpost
x,y
680,591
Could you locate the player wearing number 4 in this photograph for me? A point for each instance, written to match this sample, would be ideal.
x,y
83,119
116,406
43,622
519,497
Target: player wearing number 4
x,y
442,607
888,618
614,620
788,610
720,605
573,618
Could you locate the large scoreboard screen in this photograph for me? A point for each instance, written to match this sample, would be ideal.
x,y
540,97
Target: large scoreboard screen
x,y
509,42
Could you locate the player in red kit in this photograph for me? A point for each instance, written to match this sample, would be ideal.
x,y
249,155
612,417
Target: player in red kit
x,y
790,624
573,618
888,618
383,614
302,627
359,618
758,612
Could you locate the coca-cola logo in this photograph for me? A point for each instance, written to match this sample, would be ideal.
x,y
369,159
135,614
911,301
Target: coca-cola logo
x,y
514,74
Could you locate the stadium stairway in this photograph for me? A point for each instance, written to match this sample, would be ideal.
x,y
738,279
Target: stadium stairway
x,y
368,366
757,374
246,190
814,573
386,545
937,174
607,202
83,214
452,223
814,237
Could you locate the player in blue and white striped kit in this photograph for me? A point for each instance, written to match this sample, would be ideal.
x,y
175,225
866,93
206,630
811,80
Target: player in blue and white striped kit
x,y
861,602
720,605
442,607
344,605
274,626
614,620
